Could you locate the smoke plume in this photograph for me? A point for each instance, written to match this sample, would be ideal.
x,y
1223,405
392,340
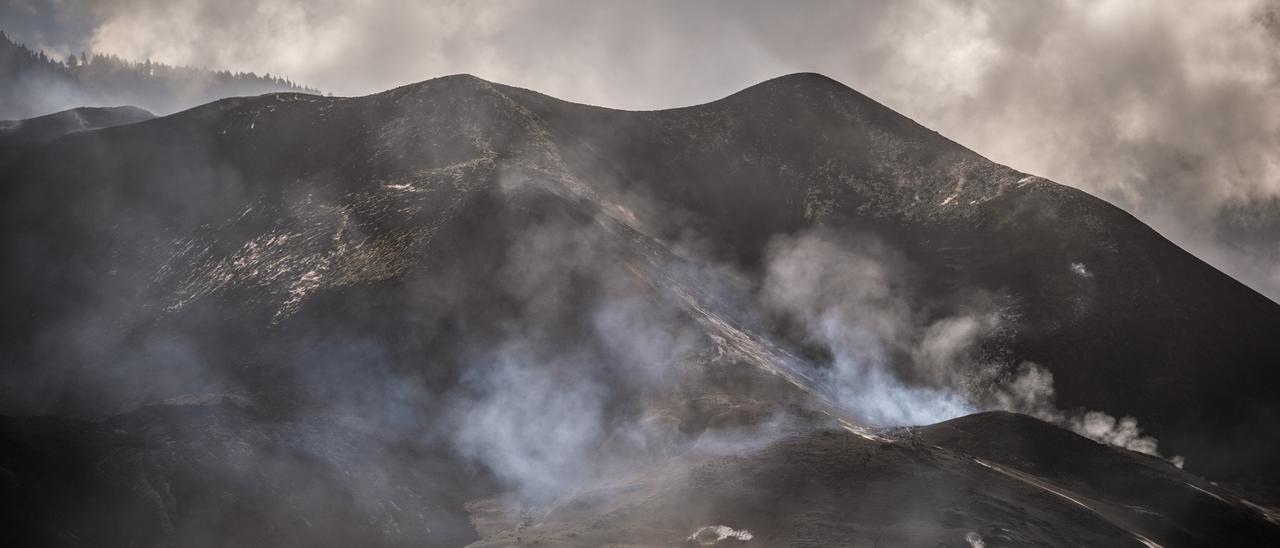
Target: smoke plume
x,y
892,363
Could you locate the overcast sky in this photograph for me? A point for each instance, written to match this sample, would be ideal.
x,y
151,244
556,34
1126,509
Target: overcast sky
x,y
1168,109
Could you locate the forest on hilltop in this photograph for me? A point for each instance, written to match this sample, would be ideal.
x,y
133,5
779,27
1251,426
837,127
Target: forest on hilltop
x,y
33,83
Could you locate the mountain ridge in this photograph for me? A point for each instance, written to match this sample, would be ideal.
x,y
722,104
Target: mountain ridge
x,y
455,261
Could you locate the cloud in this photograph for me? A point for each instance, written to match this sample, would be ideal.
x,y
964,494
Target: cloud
x,y
1168,111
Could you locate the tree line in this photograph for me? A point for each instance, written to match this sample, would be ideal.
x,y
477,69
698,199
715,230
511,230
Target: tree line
x,y
33,83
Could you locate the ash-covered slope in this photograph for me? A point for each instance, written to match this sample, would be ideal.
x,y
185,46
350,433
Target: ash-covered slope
x,y
1126,321
49,127
989,479
17,135
481,284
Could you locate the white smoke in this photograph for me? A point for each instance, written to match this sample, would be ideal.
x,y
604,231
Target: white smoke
x,y
556,398
892,366
1029,390
531,424
889,365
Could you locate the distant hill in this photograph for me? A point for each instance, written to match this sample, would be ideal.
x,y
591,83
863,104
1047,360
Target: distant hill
x,y
33,84
51,126
18,136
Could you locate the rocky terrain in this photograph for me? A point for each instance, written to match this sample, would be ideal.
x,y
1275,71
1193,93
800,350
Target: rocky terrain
x,y
460,313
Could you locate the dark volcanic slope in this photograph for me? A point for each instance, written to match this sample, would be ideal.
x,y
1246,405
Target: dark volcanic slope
x,y
16,135
998,478
362,273
159,476
1005,480
47,128
1148,330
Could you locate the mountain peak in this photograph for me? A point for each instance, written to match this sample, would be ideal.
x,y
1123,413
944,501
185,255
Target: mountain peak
x,y
821,95
804,78
802,84
448,81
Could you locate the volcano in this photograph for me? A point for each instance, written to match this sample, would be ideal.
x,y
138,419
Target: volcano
x,y
462,313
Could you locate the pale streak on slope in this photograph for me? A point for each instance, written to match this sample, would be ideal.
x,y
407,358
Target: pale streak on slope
x,y
1270,515
1063,494
654,261
1267,514
322,246
1214,495
659,268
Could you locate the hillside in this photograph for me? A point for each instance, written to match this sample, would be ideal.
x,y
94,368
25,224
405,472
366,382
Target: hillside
x,y
612,327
